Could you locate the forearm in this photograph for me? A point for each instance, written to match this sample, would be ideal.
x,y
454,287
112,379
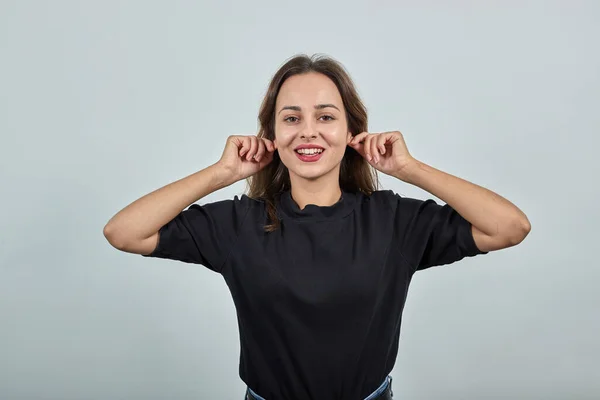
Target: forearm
x,y
487,211
145,216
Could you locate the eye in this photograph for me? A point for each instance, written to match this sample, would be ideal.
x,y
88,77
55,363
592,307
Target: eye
x,y
288,119
328,116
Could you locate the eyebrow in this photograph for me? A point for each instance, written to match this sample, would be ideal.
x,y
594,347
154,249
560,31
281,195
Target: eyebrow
x,y
317,107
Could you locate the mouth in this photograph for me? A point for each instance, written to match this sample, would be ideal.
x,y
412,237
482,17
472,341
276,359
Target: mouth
x,y
309,154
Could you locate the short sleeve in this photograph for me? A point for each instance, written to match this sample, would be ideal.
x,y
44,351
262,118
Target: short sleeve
x,y
429,234
203,234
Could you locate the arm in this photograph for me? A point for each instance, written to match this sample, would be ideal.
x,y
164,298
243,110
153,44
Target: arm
x,y
496,222
135,228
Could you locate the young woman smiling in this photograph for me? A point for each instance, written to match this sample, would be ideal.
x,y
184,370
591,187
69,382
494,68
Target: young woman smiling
x,y
317,259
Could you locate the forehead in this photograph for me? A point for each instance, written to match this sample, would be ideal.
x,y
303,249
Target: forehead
x,y
308,89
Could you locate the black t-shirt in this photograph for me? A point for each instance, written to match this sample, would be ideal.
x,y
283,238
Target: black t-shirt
x,y
319,301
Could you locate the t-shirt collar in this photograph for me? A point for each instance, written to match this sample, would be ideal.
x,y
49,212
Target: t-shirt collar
x,y
289,208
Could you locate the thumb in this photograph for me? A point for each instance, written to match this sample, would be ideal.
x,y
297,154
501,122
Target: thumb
x,y
359,147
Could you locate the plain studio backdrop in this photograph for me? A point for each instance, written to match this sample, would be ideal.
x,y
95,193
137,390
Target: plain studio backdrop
x,y
102,102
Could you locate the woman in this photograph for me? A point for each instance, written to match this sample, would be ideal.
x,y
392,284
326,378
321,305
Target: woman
x,y
318,261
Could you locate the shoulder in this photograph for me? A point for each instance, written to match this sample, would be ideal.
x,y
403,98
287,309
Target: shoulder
x,y
393,199
393,203
255,207
380,202
238,201
236,209
382,196
385,198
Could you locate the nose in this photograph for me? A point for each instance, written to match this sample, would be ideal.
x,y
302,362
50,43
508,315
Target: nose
x,y
309,131
310,136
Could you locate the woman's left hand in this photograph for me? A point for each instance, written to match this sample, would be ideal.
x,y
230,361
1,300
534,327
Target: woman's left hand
x,y
386,152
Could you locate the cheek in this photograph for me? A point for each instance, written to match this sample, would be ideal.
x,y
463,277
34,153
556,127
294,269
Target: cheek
x,y
284,138
337,140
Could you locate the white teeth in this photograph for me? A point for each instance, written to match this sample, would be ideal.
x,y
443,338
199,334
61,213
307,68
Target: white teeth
x,y
310,151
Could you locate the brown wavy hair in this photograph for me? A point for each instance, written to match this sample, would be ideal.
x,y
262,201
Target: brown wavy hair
x,y
356,175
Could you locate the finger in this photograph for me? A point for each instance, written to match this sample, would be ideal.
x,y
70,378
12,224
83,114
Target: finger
x,y
245,145
360,137
368,149
359,147
373,147
266,158
233,141
269,145
381,139
360,143
261,150
253,148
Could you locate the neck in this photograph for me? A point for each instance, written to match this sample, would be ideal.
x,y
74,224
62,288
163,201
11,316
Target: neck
x,y
320,192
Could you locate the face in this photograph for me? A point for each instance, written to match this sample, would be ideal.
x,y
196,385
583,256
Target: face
x,y
311,131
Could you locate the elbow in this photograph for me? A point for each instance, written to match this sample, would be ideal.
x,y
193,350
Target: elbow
x,y
110,233
508,235
519,231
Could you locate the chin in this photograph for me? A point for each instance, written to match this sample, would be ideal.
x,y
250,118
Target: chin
x,y
311,173
310,177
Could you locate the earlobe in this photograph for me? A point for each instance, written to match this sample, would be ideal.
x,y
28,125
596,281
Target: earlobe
x,y
349,137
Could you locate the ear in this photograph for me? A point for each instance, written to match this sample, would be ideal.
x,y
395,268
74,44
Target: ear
x,y
349,137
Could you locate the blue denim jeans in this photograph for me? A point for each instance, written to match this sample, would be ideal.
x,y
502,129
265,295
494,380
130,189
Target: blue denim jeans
x,y
387,382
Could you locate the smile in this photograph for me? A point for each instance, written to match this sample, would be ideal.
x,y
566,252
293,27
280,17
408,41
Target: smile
x,y
309,155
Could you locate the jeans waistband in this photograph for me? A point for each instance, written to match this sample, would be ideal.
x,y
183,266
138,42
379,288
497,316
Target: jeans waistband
x,y
386,382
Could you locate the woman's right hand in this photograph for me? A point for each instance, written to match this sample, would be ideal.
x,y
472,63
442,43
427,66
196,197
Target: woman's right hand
x,y
244,156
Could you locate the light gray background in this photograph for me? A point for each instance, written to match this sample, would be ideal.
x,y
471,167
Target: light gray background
x,y
102,102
